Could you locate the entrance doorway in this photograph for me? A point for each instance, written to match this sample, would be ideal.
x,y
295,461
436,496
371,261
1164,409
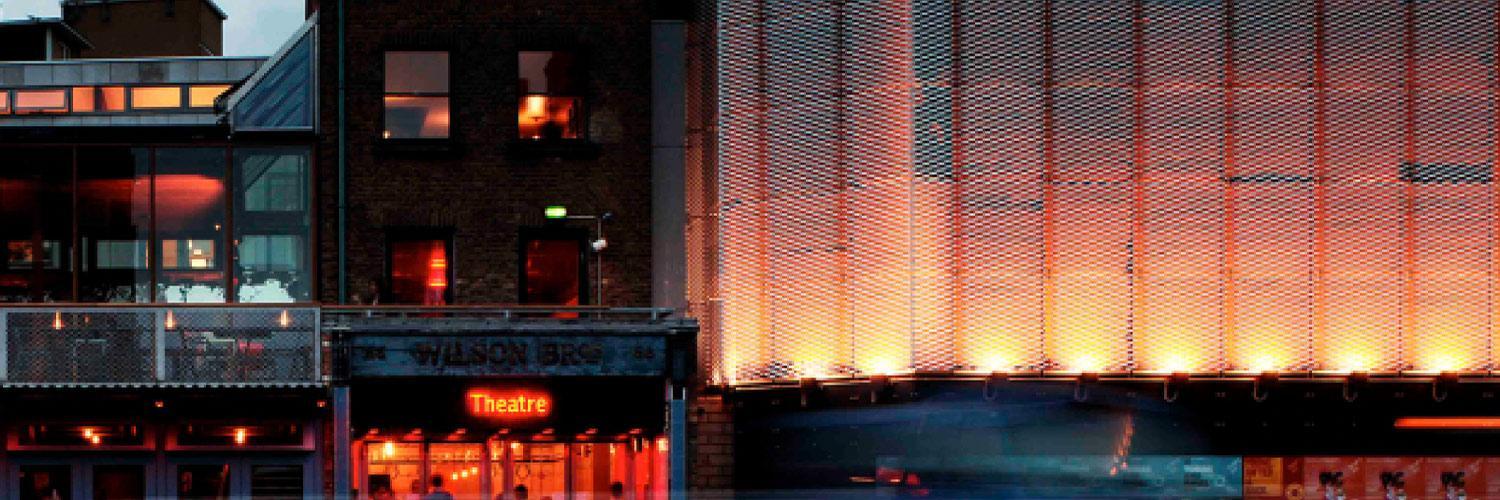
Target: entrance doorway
x,y
631,468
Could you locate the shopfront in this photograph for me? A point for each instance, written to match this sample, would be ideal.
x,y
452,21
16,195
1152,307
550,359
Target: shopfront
x,y
163,444
539,408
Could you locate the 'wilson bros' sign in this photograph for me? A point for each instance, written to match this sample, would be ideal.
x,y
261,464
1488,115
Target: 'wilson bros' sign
x,y
464,356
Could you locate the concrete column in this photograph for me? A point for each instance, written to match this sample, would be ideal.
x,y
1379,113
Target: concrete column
x,y
341,442
668,144
677,442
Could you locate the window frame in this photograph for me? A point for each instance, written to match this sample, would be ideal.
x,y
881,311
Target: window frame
x,y
395,235
579,75
384,70
554,232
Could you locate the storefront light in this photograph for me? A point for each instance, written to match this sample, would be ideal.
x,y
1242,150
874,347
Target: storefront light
x,y
285,320
239,435
171,321
57,323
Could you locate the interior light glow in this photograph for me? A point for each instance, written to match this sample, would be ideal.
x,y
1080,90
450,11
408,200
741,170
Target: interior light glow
x,y
239,435
1448,423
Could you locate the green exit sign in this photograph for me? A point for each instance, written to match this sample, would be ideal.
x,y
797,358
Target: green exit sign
x,y
556,212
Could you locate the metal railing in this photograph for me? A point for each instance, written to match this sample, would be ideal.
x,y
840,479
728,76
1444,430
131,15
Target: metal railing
x,y
336,315
101,344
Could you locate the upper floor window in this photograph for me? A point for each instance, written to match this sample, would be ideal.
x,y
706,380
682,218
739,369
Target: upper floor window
x,y
551,102
416,95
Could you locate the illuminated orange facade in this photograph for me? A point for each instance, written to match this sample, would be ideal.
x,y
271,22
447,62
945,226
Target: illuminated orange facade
x,y
1218,186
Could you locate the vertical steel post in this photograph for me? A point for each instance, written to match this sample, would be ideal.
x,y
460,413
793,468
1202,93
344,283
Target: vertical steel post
x,y
341,442
677,440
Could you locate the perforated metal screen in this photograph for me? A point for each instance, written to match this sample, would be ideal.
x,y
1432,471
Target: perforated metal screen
x,y
1097,185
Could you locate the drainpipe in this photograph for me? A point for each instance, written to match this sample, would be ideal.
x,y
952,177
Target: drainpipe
x,y
668,144
342,164
342,424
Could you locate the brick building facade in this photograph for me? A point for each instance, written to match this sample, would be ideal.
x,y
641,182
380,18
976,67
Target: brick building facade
x,y
483,184
148,28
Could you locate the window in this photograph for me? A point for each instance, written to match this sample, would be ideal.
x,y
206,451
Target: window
x,y
279,482
553,267
203,96
190,216
550,104
111,99
41,101
83,99
418,271
155,97
4,102
203,482
40,482
416,95
119,481
273,223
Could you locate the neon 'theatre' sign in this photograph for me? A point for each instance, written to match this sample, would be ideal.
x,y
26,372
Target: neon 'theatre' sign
x,y
509,404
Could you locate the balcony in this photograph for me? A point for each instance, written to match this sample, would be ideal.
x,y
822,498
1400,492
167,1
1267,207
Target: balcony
x,y
183,346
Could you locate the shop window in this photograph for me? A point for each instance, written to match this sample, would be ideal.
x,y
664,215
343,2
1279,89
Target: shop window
x,y
599,469
46,482
119,482
539,468
203,96
272,224
416,95
553,267
41,101
551,105
155,97
419,271
36,235
190,217
203,482
395,468
114,224
278,482
457,464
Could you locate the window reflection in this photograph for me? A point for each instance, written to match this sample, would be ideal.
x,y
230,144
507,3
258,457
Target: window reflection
x,y
203,96
550,106
190,217
41,101
114,224
36,235
83,99
416,95
272,225
155,97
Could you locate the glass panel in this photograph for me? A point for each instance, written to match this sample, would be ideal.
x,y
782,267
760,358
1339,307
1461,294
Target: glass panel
x,y
394,468
114,224
419,272
36,205
276,482
416,72
83,99
552,272
272,225
203,482
202,96
410,117
48,101
111,99
46,482
4,102
155,97
538,470
598,470
544,117
45,435
546,72
455,469
190,218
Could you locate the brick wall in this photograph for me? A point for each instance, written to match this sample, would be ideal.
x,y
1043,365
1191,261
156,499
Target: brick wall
x,y
479,184
711,441
143,28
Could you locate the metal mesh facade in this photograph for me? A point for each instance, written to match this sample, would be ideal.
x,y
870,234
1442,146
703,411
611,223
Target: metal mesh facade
x,y
1098,185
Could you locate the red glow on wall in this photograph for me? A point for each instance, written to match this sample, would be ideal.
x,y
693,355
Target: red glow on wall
x,y
1448,423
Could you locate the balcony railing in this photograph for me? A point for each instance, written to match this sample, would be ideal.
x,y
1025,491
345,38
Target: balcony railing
x,y
104,345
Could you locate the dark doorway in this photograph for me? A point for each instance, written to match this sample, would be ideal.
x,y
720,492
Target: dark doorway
x,y
554,267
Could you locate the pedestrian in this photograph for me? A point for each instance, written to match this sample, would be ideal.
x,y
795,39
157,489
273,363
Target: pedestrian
x,y
437,492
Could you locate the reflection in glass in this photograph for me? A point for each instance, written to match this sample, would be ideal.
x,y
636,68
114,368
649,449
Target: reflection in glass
x,y
111,99
395,468
272,225
203,96
416,95
155,97
119,482
36,207
539,467
46,482
41,101
598,469
203,482
83,99
114,196
190,216
458,465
